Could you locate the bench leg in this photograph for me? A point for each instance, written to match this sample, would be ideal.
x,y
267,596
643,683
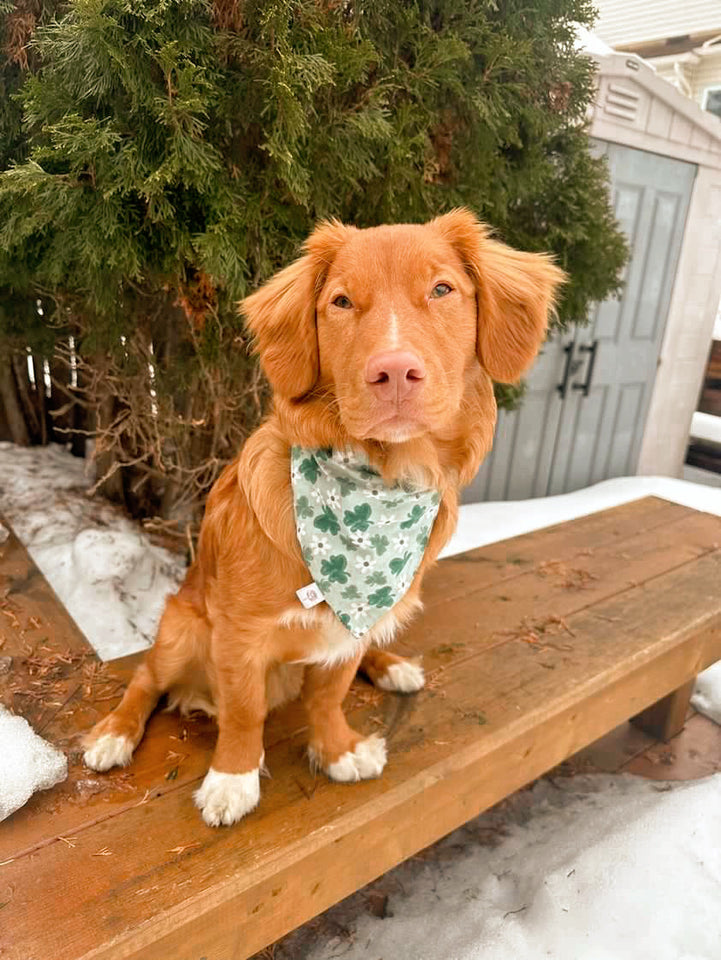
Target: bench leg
x,y
666,718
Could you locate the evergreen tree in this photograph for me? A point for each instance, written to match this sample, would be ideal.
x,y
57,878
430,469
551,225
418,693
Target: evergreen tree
x,y
174,153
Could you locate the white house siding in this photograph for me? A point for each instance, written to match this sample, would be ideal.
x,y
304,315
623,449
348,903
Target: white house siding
x,y
622,22
691,73
706,73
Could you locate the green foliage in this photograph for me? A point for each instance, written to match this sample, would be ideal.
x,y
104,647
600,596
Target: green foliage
x,y
168,163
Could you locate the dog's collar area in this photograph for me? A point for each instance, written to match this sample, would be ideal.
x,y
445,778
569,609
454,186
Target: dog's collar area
x,y
361,538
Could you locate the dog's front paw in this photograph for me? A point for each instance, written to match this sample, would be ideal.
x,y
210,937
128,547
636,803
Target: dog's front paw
x,y
403,677
109,750
365,761
225,798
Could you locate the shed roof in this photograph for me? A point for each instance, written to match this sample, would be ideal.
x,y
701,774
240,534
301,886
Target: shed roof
x,y
636,107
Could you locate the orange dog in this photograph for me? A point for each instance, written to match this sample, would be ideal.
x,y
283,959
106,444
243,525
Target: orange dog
x,y
384,343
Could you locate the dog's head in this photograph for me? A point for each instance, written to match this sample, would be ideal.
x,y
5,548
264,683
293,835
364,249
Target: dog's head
x,y
390,324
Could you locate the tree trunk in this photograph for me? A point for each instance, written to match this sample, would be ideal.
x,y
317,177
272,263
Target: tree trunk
x,y
13,411
28,403
112,487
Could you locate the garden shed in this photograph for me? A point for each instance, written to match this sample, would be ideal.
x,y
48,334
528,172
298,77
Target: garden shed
x,y
616,397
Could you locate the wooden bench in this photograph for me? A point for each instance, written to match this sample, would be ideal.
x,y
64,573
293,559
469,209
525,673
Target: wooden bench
x,y
533,648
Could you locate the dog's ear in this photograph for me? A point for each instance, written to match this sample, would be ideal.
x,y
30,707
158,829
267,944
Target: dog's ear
x,y
514,293
281,315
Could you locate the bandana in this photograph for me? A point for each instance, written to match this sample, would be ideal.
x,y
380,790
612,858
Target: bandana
x,y
361,538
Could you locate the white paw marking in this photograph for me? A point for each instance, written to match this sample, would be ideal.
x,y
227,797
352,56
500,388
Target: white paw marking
x,y
109,751
367,760
405,677
224,798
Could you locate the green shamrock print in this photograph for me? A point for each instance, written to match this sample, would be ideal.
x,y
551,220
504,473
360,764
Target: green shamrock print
x,y
345,620
348,543
351,593
381,598
327,522
380,543
376,579
359,518
397,563
335,569
303,508
324,454
310,469
413,517
346,486
422,538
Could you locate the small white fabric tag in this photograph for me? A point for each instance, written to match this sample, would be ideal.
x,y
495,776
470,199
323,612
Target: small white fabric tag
x,y
310,596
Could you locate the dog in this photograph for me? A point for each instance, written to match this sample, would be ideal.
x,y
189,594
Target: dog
x,y
381,346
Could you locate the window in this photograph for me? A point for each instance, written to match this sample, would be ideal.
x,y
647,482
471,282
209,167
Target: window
x,y
712,100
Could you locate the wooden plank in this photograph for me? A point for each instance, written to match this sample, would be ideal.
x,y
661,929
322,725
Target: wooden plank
x,y
546,587
47,651
171,887
498,562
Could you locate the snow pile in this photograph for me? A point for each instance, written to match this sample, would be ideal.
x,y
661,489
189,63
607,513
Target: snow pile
x,y
591,868
107,573
707,693
27,763
705,426
483,523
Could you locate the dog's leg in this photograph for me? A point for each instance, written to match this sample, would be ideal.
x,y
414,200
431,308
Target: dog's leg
x,y
231,787
387,671
341,752
112,741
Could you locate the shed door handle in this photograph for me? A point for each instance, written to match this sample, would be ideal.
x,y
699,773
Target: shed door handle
x,y
562,387
590,349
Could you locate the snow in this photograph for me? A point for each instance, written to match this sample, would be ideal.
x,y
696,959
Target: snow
x,y
483,523
589,868
705,426
588,42
707,693
107,573
27,763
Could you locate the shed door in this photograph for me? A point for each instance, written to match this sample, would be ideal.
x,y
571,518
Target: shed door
x,y
587,426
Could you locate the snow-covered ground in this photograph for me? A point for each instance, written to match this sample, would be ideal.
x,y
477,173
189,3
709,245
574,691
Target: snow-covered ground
x,y
483,523
591,868
105,570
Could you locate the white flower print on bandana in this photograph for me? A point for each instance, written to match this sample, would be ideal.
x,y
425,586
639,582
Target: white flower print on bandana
x,y
361,538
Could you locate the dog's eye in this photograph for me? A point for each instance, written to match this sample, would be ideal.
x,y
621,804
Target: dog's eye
x,y
440,290
343,302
